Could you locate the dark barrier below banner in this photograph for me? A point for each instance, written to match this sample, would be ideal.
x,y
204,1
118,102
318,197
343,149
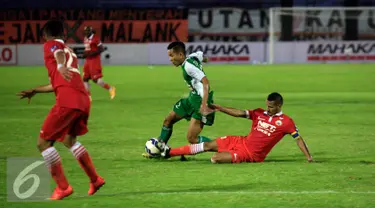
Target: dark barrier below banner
x,y
141,31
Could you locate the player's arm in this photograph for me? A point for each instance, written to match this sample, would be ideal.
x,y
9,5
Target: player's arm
x,y
94,53
60,60
231,111
302,145
43,89
198,74
206,89
30,93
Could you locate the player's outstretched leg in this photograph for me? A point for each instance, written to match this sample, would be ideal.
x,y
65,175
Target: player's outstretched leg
x,y
111,89
84,159
191,149
53,162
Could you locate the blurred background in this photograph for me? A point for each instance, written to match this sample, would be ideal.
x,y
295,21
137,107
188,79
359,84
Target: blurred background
x,y
222,29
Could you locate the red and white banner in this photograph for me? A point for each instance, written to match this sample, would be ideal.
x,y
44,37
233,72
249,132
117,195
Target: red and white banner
x,y
8,54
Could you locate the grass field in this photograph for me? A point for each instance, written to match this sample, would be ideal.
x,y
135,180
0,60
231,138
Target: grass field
x,y
332,105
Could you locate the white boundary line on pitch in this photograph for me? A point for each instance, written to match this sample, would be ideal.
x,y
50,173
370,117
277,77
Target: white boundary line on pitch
x,y
228,192
265,192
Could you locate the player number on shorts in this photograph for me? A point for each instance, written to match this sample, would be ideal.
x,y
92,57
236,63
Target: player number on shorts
x,y
23,177
70,60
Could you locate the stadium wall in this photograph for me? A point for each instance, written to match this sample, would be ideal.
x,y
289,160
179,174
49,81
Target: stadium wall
x,y
218,53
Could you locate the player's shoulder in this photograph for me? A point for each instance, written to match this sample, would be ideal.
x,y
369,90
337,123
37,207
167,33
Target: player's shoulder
x,y
259,110
96,38
192,63
287,118
55,42
53,45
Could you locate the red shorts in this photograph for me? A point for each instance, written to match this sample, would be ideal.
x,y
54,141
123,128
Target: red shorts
x,y
63,121
235,146
92,69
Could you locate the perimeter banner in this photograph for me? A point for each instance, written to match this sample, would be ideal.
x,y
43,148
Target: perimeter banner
x,y
113,26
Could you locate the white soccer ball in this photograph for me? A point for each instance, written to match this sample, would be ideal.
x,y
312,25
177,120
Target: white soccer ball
x,y
152,148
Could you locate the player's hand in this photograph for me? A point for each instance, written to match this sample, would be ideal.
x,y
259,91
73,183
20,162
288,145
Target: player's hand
x,y
26,94
205,110
65,73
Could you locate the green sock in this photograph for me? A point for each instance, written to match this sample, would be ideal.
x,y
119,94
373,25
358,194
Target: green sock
x,y
203,139
166,133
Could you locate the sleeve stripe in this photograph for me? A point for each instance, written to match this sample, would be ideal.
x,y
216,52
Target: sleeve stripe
x,y
99,44
247,114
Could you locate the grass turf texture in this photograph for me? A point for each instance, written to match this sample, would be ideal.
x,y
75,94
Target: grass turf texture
x,y
332,105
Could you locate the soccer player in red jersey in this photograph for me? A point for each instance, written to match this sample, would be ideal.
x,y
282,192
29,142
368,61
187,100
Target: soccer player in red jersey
x,y
92,68
268,128
68,117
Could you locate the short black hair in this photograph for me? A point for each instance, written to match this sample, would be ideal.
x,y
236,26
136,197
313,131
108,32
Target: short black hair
x,y
54,28
177,46
275,96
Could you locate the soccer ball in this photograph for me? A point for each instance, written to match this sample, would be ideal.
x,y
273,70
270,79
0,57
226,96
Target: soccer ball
x,y
152,148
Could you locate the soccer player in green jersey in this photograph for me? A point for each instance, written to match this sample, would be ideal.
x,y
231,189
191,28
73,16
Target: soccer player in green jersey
x,y
195,106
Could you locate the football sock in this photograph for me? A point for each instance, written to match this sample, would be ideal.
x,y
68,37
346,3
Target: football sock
x,y
106,86
84,160
53,162
101,83
190,149
203,139
166,133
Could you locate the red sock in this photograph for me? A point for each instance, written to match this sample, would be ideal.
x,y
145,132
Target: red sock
x,y
53,162
84,160
106,86
190,149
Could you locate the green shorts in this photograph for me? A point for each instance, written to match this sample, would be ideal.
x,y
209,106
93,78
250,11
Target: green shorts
x,y
189,108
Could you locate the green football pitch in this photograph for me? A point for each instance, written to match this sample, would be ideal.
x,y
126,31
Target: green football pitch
x,y
332,105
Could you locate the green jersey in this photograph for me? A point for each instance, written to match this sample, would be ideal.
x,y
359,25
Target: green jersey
x,y
192,71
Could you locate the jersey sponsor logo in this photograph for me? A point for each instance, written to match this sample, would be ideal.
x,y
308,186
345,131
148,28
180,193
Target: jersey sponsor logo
x,y
265,128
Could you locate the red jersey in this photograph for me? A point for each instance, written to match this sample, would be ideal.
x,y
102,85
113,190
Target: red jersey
x,y
70,94
92,44
266,132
